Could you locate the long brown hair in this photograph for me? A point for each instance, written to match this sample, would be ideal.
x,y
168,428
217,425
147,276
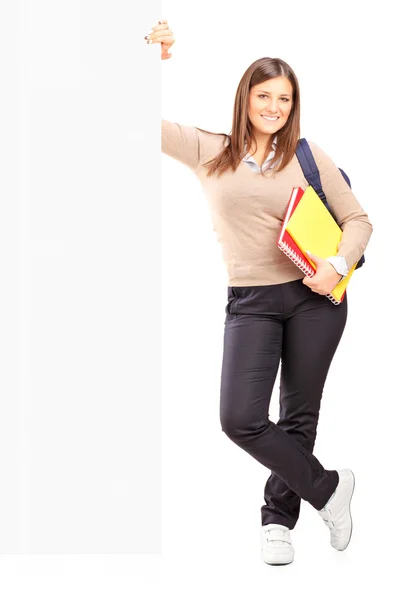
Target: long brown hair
x,y
241,134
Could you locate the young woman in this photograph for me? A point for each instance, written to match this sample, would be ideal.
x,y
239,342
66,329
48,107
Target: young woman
x,y
274,315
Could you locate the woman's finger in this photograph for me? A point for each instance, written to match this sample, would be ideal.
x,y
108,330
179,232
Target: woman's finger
x,y
164,35
159,27
167,40
160,36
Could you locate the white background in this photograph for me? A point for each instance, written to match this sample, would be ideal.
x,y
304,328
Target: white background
x,y
72,198
344,56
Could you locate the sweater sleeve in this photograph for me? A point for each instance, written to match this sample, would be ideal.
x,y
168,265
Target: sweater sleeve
x,y
349,214
181,142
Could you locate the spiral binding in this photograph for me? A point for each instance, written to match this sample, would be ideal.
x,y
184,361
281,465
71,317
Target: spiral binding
x,y
333,299
303,266
298,261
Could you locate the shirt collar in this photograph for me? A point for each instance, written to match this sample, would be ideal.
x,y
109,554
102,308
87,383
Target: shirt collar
x,y
274,144
248,156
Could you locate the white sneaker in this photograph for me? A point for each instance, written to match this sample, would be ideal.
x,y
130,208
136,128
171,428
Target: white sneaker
x,y
276,545
336,512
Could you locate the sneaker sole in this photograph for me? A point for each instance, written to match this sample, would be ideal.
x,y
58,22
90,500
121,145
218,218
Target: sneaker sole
x,y
277,562
351,520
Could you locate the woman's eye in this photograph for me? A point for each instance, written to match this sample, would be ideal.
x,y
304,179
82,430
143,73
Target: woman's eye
x,y
263,96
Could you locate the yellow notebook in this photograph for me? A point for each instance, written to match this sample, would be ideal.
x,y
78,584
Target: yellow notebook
x,y
313,228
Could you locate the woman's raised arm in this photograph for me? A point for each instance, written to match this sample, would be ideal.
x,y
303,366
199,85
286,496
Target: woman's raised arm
x,y
178,141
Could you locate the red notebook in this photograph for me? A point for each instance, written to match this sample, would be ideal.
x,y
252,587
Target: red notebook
x,y
287,244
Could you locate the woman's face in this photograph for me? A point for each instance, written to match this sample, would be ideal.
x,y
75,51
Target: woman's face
x,y
271,98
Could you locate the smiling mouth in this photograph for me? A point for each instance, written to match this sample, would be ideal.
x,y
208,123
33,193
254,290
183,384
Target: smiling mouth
x,y
272,119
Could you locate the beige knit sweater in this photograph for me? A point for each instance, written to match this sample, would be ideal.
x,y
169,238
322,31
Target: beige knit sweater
x,y
247,208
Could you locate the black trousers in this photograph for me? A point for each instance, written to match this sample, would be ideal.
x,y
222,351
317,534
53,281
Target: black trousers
x,y
265,326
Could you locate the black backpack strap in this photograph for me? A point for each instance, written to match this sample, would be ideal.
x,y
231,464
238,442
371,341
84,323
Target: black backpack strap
x,y
310,169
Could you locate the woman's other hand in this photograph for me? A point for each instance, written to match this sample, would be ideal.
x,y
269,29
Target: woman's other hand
x,y
161,34
326,277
